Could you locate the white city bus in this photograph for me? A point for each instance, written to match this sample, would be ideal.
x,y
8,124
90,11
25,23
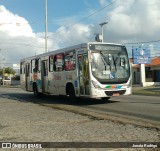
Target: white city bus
x,y
93,69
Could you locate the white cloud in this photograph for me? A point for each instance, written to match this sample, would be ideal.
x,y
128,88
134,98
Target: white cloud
x,y
103,2
17,38
14,25
79,33
70,32
137,20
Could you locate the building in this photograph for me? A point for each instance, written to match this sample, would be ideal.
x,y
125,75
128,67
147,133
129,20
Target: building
x,y
152,72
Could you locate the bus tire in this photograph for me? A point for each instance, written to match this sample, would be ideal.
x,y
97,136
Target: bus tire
x,y
35,90
105,99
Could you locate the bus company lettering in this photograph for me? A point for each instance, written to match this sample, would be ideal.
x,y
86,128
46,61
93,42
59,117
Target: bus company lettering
x,y
57,77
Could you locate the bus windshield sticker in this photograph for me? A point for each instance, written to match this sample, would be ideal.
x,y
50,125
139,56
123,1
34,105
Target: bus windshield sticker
x,y
112,75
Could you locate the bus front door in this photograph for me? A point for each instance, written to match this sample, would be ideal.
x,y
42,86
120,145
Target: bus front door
x,y
27,76
83,72
44,76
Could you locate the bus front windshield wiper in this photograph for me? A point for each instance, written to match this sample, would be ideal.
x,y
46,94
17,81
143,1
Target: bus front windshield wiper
x,y
105,60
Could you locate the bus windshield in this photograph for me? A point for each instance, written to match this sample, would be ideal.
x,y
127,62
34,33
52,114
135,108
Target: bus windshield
x,y
110,64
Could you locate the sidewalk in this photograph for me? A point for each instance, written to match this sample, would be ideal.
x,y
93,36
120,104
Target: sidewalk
x,y
23,121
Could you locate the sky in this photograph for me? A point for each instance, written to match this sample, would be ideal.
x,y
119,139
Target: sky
x,y
71,22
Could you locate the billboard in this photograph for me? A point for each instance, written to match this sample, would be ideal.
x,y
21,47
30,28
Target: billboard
x,y
141,56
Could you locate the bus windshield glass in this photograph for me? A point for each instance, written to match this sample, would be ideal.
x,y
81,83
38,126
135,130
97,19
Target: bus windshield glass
x,y
110,63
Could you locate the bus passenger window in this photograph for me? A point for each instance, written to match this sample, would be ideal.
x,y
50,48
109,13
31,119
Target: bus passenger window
x,y
22,68
70,63
59,62
39,65
27,70
32,66
51,61
35,65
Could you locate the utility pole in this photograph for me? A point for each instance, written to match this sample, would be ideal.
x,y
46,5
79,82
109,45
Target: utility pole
x,y
102,24
46,25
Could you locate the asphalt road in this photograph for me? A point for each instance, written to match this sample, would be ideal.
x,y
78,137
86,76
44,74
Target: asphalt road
x,y
134,108
142,107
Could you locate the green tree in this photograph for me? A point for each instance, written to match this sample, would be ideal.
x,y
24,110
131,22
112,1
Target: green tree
x,y
7,70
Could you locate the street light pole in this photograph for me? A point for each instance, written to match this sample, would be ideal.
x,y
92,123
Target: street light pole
x,y
101,24
46,25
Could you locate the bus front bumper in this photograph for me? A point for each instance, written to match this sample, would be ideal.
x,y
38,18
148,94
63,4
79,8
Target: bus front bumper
x,y
99,93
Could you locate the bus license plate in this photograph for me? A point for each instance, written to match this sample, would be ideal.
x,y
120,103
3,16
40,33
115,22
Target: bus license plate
x,y
116,94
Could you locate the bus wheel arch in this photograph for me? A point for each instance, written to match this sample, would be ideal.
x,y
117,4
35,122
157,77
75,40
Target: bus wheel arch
x,y
70,91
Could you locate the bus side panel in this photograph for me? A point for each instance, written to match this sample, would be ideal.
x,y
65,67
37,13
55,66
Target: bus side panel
x,y
22,81
59,83
51,83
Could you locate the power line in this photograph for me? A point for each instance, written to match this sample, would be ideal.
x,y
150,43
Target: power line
x,y
85,18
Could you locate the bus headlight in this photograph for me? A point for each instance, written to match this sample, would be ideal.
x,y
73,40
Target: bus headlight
x,y
95,84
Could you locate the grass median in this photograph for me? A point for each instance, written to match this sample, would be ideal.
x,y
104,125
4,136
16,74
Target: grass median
x,y
151,91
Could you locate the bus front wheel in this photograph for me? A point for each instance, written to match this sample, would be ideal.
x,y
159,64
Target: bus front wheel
x,y
105,99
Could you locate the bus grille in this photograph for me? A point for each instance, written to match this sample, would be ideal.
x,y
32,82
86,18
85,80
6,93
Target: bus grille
x,y
110,93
